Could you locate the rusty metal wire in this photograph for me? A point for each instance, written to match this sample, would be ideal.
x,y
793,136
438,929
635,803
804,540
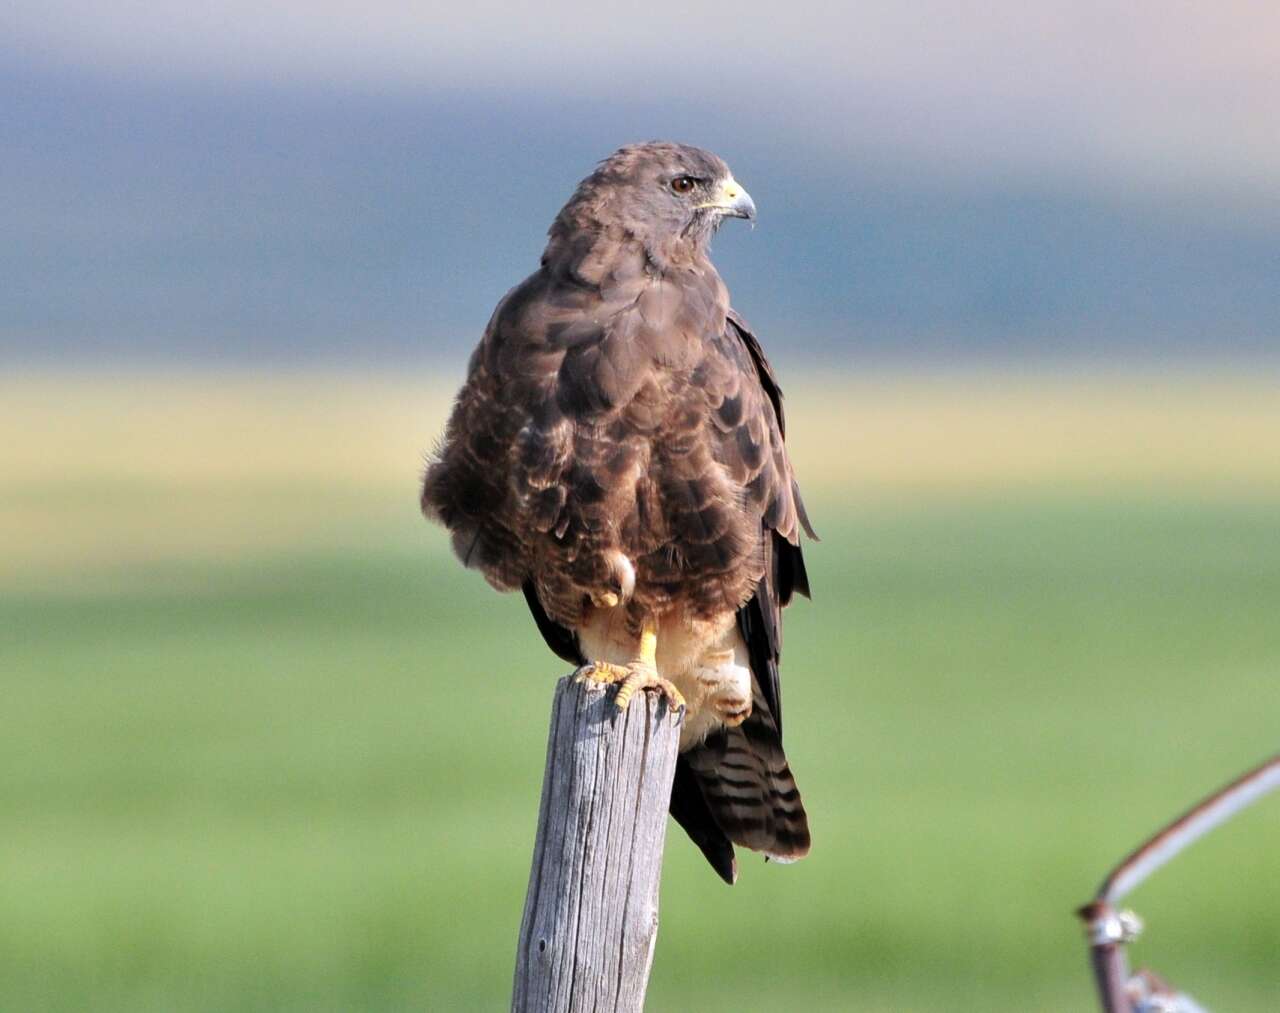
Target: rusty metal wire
x,y
1109,929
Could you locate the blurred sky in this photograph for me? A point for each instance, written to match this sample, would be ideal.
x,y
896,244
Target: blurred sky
x,y
940,181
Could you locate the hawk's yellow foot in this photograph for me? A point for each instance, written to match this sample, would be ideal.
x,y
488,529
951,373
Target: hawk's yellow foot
x,y
603,672
629,678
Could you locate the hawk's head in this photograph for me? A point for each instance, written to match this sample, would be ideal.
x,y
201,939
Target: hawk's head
x,y
668,197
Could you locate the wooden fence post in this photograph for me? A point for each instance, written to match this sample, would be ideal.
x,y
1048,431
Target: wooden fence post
x,y
591,914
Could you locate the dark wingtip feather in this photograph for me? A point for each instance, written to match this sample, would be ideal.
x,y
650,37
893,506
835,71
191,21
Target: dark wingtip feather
x,y
561,640
689,808
800,575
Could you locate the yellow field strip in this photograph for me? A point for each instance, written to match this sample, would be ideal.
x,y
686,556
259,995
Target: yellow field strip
x,y
146,464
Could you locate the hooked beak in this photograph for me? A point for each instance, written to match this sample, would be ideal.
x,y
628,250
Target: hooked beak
x,y
733,201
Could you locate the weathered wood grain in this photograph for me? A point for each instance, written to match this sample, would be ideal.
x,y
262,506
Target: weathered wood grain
x,y
591,914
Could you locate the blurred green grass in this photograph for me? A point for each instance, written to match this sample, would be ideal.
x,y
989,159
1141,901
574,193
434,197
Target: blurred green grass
x,y
265,746
308,780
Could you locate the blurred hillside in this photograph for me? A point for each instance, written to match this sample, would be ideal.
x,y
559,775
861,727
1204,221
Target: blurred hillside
x,y
300,184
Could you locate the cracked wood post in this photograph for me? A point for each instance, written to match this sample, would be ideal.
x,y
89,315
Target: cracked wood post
x,y
591,914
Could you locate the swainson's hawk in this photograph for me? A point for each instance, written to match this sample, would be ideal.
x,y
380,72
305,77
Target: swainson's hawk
x,y
617,454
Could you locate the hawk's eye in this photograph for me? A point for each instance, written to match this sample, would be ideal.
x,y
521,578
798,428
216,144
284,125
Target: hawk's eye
x,y
682,184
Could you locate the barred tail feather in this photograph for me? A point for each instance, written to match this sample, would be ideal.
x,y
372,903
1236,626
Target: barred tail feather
x,y
749,788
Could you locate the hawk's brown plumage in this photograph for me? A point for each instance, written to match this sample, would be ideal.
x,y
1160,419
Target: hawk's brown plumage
x,y
619,439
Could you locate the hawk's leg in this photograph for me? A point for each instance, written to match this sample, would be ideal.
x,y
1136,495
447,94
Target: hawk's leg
x,y
641,673
727,686
719,693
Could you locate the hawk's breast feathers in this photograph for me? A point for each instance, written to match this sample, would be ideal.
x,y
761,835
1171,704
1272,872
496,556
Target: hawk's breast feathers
x,y
640,418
